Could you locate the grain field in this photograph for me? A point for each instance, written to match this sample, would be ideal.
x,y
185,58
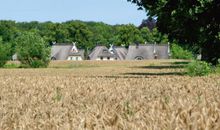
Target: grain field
x,y
128,95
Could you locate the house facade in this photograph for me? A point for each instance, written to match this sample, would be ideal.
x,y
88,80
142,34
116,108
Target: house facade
x,y
66,52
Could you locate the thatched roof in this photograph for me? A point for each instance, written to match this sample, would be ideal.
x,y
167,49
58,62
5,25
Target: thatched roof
x,y
120,52
62,52
147,51
162,51
100,51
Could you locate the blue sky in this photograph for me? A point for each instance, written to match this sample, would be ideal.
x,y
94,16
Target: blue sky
x,y
108,11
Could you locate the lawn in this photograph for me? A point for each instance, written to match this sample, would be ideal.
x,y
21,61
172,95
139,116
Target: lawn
x,y
154,94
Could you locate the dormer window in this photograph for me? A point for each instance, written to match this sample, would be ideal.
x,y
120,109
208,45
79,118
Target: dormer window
x,y
105,51
74,48
111,49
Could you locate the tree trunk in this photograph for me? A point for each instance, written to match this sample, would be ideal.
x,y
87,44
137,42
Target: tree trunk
x,y
211,53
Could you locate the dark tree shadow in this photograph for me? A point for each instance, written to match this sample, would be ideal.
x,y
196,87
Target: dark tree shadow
x,y
176,63
162,67
181,63
168,65
157,74
113,76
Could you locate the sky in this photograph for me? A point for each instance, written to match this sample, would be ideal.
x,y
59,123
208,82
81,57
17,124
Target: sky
x,y
107,11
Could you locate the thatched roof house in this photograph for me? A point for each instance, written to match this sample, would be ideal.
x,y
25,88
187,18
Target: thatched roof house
x,y
148,51
66,52
101,53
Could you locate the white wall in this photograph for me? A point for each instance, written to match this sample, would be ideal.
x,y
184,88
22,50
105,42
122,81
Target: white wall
x,y
75,58
105,58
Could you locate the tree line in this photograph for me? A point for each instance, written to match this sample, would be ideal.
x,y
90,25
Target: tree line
x,y
31,41
86,34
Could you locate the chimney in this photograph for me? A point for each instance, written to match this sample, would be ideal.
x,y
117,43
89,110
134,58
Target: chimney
x,y
137,45
155,48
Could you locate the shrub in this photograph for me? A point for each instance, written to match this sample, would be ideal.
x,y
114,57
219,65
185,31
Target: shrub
x,y
179,53
217,69
32,51
11,65
198,68
4,53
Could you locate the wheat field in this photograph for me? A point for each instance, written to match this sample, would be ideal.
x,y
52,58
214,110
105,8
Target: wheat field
x,y
122,95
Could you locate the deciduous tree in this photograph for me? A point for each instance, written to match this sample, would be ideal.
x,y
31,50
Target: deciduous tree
x,y
194,22
32,50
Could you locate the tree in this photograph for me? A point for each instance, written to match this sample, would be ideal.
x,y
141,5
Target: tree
x,y
61,33
32,50
128,34
48,32
102,33
194,22
80,33
4,53
180,53
153,36
8,32
146,34
150,23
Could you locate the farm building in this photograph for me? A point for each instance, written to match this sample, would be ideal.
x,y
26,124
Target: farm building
x,y
66,52
102,53
148,51
134,52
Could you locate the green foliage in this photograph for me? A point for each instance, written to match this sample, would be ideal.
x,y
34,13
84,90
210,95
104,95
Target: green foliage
x,y
86,34
193,22
8,30
32,50
198,68
217,69
128,34
159,37
103,34
11,65
4,53
179,53
153,36
80,33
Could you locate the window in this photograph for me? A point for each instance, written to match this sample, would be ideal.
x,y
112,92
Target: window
x,y
101,58
105,51
139,58
108,58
